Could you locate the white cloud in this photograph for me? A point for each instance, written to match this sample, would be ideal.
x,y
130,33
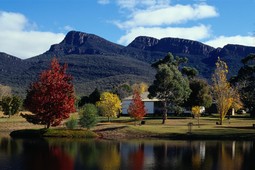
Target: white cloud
x,y
18,37
159,19
68,28
221,41
103,2
193,33
168,15
12,21
133,4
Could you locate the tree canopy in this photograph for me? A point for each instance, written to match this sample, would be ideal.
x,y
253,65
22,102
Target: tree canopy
x,y
92,98
245,80
11,105
140,87
170,59
136,108
123,90
51,99
170,87
109,105
5,91
200,94
88,116
225,96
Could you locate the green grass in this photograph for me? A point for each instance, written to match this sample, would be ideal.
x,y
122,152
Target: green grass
x,y
56,133
239,128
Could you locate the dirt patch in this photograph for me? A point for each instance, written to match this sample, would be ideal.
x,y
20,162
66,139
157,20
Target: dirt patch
x,y
118,131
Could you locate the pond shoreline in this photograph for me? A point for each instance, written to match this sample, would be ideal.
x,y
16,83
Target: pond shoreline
x,y
174,129
126,132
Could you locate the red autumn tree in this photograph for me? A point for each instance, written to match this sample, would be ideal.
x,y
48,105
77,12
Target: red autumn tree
x,y
51,99
136,108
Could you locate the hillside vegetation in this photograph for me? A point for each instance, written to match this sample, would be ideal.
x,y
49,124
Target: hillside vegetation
x,y
97,63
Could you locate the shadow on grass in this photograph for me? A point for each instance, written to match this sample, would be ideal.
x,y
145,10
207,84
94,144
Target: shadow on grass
x,y
240,127
110,129
55,133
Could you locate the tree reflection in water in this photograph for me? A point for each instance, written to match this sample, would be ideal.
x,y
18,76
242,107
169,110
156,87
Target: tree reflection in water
x,y
71,154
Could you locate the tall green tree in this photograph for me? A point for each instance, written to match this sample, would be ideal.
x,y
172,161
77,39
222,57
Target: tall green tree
x,y
245,80
190,72
94,96
170,59
11,105
200,94
170,87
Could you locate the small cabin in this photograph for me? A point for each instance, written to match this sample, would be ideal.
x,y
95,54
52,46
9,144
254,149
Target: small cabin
x,y
148,103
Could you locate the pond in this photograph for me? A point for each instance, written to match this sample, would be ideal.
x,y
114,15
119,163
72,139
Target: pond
x,y
71,154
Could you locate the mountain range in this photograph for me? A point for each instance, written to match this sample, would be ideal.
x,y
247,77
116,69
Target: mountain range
x,y
95,62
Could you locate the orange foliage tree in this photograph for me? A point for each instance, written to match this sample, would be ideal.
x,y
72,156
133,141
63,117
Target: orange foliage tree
x,y
136,108
51,99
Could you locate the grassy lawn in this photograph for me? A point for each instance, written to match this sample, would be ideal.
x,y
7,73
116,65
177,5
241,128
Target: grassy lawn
x,y
239,127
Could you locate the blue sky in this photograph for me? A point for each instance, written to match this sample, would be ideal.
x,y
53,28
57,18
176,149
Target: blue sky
x,y
29,27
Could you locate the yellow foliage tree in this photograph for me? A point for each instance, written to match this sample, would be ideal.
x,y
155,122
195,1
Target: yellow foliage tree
x,y
196,112
141,88
109,105
225,96
5,91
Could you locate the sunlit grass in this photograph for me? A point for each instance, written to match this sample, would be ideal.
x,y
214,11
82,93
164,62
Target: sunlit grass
x,y
238,127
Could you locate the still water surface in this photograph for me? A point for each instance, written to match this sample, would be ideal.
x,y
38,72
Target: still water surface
x,y
70,154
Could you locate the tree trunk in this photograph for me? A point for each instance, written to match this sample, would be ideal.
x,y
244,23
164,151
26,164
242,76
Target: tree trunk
x,y
48,125
252,113
221,119
164,117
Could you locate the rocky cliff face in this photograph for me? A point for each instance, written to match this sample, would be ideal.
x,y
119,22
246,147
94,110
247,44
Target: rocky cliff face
x,y
182,46
201,56
143,42
173,45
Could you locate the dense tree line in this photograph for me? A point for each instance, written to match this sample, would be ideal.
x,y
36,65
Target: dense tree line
x,y
51,98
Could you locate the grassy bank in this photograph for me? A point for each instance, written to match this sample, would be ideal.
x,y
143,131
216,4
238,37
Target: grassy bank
x,y
56,133
238,128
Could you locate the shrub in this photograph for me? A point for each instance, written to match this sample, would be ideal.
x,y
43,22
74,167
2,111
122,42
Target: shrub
x,y
72,123
11,105
88,116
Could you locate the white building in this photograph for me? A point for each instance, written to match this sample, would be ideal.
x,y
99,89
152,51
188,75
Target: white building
x,y
148,103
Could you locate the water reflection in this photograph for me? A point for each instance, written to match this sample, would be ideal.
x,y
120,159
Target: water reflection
x,y
70,154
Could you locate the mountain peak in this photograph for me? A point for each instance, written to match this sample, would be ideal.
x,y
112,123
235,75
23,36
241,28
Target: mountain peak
x,y
76,42
143,42
79,38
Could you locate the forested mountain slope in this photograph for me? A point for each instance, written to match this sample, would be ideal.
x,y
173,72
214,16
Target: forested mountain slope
x,y
96,62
